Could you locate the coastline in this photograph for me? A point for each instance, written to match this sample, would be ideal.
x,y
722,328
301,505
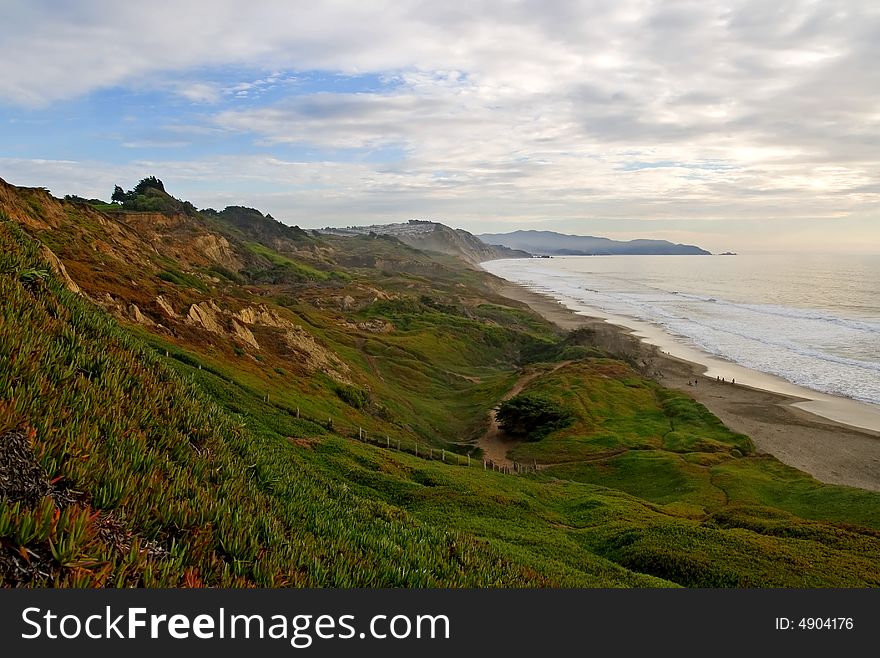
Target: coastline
x,y
833,439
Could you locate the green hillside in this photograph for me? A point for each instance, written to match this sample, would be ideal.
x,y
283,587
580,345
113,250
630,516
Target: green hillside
x,y
191,420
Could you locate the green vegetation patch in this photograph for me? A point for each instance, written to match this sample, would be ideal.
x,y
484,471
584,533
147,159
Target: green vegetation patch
x,y
288,270
653,475
183,279
532,416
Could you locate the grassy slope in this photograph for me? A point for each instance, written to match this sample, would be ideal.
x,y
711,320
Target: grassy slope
x,y
659,445
566,528
256,507
170,489
459,361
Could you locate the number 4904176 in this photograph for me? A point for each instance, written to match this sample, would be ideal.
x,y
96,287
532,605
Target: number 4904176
x,y
823,623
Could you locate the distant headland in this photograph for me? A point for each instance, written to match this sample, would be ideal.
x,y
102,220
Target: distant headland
x,y
550,243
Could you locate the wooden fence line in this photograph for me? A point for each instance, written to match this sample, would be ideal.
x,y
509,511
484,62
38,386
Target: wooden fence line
x,y
385,442
460,460
446,456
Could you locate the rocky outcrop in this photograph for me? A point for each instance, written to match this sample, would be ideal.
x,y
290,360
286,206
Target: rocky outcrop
x,y
244,334
341,303
314,356
379,294
207,316
376,326
56,264
135,314
262,315
124,310
373,326
217,249
166,307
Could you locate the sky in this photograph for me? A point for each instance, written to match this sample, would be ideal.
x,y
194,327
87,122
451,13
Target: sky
x,y
746,126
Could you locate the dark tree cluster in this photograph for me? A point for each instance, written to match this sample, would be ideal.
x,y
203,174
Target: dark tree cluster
x,y
532,416
150,195
148,183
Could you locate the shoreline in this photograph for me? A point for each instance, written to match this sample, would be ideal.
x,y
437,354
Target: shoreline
x,y
832,439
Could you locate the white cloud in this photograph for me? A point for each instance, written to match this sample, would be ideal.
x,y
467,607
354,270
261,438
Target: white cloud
x,y
199,92
155,144
498,112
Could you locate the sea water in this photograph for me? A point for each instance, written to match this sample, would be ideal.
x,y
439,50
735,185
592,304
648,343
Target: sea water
x,y
813,320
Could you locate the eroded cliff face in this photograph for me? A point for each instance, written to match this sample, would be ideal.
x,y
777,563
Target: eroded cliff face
x,y
218,250
32,207
189,241
239,288
163,272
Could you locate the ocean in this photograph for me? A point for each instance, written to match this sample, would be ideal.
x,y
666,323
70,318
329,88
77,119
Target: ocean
x,y
813,320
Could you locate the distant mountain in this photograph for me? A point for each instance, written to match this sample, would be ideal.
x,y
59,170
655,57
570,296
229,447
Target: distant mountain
x,y
432,236
559,244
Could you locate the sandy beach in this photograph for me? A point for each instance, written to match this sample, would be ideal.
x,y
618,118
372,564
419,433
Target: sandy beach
x,y
838,444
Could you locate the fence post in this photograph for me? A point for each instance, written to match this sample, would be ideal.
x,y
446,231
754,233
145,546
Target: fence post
x,y
484,464
360,434
469,460
387,441
444,455
297,412
416,447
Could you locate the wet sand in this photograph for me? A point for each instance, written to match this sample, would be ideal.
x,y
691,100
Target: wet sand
x,y
840,446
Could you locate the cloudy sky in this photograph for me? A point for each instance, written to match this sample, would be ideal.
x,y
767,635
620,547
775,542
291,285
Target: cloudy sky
x,y
736,125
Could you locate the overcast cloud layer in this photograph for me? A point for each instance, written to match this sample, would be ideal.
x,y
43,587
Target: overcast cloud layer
x,y
736,125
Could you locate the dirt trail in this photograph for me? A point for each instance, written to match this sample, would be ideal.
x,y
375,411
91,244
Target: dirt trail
x,y
495,443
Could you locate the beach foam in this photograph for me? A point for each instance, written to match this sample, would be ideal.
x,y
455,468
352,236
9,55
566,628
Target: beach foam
x,y
827,358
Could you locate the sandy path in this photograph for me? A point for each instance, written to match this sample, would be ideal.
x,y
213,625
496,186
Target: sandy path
x,y
495,443
829,451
